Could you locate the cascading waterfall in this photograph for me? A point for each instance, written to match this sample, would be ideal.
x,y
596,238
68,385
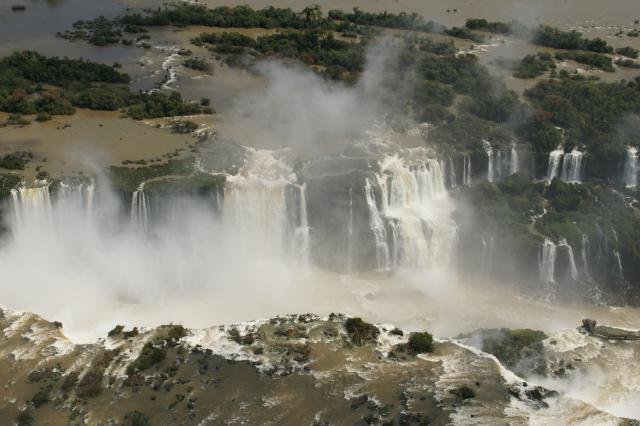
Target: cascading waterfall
x,y
415,201
572,262
571,166
302,231
548,262
514,165
618,265
350,233
555,158
585,257
452,173
490,166
31,206
77,195
140,210
466,170
255,205
631,167
487,254
377,227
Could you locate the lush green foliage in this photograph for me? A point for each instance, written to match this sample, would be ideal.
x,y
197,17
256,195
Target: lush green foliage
x,y
462,32
420,342
532,66
31,83
313,47
149,356
197,64
225,17
361,332
484,25
16,160
592,59
570,40
628,51
406,21
589,111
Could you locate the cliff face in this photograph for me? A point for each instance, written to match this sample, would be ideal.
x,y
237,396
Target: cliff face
x,y
298,369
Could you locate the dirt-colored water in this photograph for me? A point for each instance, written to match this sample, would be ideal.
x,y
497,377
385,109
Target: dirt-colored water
x,y
88,141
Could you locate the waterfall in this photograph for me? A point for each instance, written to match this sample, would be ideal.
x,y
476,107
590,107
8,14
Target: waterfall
x,y
255,204
555,157
571,165
77,195
140,210
31,206
490,166
302,231
466,170
514,165
377,227
415,200
350,233
585,257
631,167
487,255
618,265
548,261
452,174
572,261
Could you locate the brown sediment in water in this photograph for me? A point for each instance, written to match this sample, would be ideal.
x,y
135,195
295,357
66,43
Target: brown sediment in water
x,y
88,141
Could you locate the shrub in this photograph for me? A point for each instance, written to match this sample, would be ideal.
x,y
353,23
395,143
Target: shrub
x,y
42,397
149,356
197,64
115,331
463,392
69,382
177,332
43,116
16,160
361,332
420,342
136,418
628,51
183,126
91,384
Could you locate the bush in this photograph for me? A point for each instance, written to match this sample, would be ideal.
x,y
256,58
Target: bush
x,y
43,116
42,397
149,356
570,40
136,418
361,332
16,160
91,384
197,64
183,126
463,392
420,342
69,382
628,51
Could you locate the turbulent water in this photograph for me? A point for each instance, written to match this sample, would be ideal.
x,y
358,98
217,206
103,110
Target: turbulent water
x,y
415,198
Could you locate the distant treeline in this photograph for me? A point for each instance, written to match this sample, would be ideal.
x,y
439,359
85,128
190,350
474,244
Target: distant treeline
x,y
314,47
31,83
